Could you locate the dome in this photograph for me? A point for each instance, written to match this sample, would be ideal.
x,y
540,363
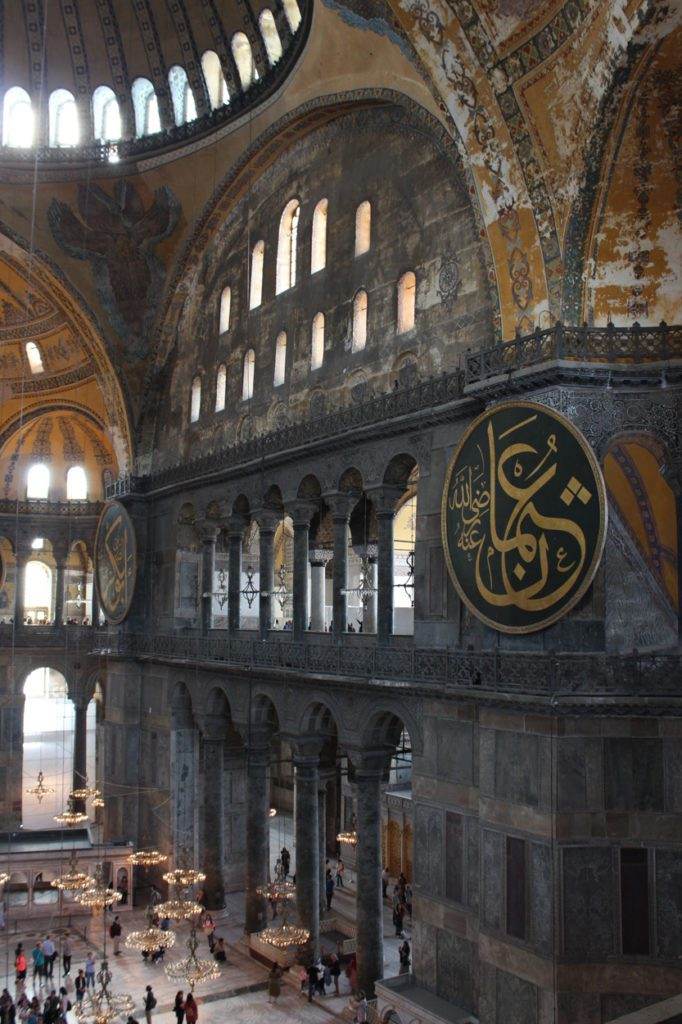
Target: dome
x,y
120,79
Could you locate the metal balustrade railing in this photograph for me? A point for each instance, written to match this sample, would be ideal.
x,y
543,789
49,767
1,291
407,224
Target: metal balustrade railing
x,y
609,345
544,674
38,506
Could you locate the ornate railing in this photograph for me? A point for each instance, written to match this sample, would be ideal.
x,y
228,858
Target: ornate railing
x,y
543,674
609,344
64,637
9,506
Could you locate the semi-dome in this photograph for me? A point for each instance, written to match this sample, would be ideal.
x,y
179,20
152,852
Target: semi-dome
x,y
113,79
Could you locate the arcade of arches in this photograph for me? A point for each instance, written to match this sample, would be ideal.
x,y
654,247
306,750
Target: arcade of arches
x,y
262,267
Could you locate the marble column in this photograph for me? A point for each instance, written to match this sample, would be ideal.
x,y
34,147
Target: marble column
x,y
80,748
234,577
212,809
369,767
384,505
267,522
301,517
341,509
59,589
95,605
208,539
318,575
20,586
322,837
257,838
306,762
184,787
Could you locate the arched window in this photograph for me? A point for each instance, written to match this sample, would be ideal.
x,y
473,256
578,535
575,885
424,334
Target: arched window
x,y
220,388
146,106
286,247
17,119
293,13
249,370
359,321
216,85
363,228
63,118
407,294
225,306
195,400
38,481
317,342
280,359
256,289
268,30
184,107
318,247
37,591
106,115
243,58
76,484
35,360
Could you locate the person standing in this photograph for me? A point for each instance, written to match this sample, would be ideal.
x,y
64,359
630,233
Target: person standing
x,y
329,889
335,971
50,952
404,954
20,966
179,1007
274,983
286,861
38,958
150,1003
384,882
340,868
115,933
79,985
66,953
191,1009
90,970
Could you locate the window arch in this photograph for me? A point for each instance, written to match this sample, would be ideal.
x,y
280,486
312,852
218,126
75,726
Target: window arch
x,y
38,481
293,13
35,359
363,228
256,289
63,119
407,294
318,246
225,308
360,321
195,400
106,115
76,484
249,371
280,359
216,85
268,30
146,106
243,58
317,342
220,388
286,246
184,107
17,119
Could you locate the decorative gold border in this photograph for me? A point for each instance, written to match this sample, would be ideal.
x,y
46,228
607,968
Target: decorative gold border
x,y
122,508
603,510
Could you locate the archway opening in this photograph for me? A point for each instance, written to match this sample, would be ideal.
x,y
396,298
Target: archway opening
x,y
48,741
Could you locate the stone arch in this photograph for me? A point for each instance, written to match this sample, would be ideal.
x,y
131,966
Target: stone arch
x,y
383,726
350,481
309,488
321,717
180,705
399,470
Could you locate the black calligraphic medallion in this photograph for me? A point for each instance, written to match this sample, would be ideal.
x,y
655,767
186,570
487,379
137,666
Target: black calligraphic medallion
x,y
523,517
115,561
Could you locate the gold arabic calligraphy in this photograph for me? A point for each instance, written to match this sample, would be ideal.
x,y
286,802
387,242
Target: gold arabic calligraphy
x,y
515,560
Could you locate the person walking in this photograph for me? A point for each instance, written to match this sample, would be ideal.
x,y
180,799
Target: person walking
x,y
274,983
340,868
20,966
150,1003
398,915
362,1009
115,932
38,958
312,981
79,985
179,1007
67,953
329,889
404,954
335,971
191,1009
50,952
90,970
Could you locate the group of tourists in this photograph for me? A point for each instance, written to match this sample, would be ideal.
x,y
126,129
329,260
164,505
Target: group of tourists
x,y
319,975
216,943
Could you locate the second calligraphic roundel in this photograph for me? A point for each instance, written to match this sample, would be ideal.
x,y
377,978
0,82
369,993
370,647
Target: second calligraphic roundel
x,y
523,517
115,561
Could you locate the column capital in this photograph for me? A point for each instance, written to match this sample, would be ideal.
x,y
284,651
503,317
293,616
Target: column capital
x,y
267,519
208,530
370,763
301,513
306,750
213,730
341,505
320,556
236,524
385,498
370,551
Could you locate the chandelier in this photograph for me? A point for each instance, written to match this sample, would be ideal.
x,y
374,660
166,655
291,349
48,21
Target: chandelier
x,y
286,935
147,858
365,586
408,585
179,909
277,891
40,789
100,1006
72,880
152,938
280,591
250,592
71,817
97,802
348,838
98,896
85,792
80,596
272,813
221,595
183,878
192,970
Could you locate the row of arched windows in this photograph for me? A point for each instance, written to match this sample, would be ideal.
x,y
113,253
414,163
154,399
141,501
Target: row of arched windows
x,y
407,290
64,129
38,483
